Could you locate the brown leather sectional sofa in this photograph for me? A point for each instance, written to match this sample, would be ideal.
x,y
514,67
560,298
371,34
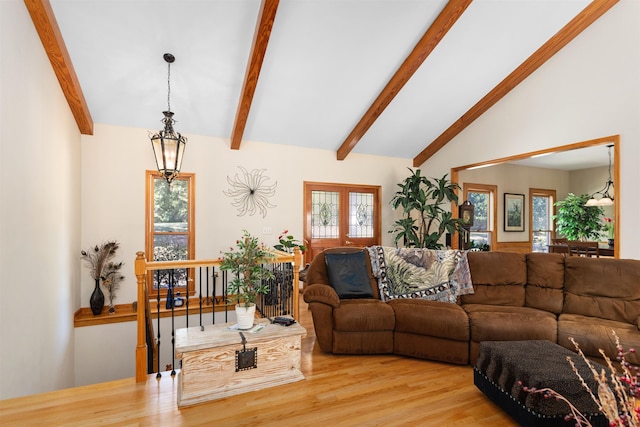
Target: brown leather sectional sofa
x,y
516,297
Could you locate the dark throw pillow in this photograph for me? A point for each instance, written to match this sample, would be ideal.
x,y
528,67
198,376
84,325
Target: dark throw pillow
x,y
348,274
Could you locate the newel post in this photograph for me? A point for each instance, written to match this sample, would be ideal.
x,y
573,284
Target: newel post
x,y
141,348
297,262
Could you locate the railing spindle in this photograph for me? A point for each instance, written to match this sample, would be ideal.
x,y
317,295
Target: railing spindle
x,y
158,374
200,297
173,325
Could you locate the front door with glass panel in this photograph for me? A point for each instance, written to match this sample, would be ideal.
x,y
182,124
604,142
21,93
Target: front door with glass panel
x,y
340,215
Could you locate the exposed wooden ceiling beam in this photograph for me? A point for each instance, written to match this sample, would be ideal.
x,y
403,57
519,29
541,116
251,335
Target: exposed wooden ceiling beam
x,y
589,15
261,36
436,32
47,27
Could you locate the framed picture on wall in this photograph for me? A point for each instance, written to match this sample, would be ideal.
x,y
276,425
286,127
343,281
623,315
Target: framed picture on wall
x,y
513,212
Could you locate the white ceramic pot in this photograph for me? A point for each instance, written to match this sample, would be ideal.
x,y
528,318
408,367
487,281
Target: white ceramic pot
x,y
245,315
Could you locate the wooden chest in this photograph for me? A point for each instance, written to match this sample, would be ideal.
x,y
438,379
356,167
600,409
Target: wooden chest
x,y
210,367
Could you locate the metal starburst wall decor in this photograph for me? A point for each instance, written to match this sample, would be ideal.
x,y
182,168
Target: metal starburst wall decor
x,y
250,192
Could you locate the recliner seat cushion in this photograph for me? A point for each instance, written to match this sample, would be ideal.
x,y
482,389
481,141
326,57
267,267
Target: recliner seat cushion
x,y
431,318
431,348
363,326
593,334
363,315
505,323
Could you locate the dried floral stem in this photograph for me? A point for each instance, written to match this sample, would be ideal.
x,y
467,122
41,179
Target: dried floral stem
x,y
549,392
582,381
619,404
98,257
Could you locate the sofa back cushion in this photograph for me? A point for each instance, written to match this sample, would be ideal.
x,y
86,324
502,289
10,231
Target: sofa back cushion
x,y
317,273
545,281
606,288
498,278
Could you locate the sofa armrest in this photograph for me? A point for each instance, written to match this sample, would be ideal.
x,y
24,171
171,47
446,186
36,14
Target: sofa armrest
x,y
638,323
324,294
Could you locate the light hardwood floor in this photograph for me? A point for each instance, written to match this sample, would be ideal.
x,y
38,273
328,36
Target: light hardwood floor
x,y
382,390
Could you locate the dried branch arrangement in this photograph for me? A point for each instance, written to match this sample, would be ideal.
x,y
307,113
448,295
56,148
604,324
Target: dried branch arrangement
x,y
616,394
101,267
98,257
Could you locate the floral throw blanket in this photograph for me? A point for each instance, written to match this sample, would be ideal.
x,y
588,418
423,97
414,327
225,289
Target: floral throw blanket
x,y
440,275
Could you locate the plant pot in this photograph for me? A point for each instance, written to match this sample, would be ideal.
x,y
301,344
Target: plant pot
x,y
245,315
611,242
96,302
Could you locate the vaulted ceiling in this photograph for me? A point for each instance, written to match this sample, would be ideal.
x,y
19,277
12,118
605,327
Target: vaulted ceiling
x,y
395,78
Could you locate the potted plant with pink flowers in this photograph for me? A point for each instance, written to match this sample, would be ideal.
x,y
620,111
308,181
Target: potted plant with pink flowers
x,y
610,228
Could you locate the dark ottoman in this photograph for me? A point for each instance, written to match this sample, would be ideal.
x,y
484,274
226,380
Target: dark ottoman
x,y
502,365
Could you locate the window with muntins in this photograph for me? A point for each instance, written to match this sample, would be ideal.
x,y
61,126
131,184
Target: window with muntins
x,y
170,230
541,218
483,199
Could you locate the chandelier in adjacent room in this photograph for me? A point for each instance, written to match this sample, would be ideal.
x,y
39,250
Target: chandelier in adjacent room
x,y
604,198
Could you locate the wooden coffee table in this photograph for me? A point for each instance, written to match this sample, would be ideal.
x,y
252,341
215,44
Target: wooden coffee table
x,y
216,363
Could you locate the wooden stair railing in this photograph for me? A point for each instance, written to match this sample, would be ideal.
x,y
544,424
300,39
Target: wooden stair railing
x,y
144,314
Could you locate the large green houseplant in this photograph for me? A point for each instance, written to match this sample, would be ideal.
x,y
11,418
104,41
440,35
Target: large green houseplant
x,y
246,264
575,221
424,219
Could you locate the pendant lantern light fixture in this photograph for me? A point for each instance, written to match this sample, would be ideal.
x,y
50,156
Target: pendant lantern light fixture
x,y
604,199
168,145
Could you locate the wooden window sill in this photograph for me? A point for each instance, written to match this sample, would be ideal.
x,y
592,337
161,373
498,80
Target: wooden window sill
x,y
125,313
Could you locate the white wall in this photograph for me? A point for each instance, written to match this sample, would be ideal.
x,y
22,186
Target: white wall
x,y
588,90
39,215
114,161
107,352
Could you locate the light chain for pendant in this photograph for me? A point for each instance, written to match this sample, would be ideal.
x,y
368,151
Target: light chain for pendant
x,y
168,86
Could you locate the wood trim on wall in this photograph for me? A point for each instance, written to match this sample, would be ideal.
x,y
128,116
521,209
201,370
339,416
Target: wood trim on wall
x,y
519,247
612,139
47,28
266,17
434,34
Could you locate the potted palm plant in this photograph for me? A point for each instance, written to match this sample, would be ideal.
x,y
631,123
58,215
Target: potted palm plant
x,y
246,264
425,219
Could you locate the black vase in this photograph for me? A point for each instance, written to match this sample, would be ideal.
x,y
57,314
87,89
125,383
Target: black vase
x,y
169,303
97,299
